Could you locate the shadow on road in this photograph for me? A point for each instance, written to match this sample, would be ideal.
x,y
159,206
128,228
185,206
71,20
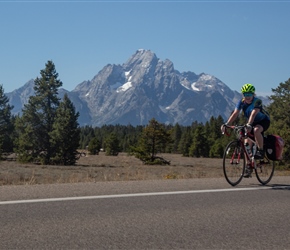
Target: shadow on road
x,y
280,187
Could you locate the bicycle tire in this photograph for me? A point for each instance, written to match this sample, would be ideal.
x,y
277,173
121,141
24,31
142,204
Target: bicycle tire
x,y
234,163
264,170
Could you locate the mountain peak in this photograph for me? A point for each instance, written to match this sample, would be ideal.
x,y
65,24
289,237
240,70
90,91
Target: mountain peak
x,y
142,58
142,88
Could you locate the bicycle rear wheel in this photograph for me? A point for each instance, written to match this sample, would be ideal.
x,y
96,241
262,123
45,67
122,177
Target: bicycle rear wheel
x,y
234,163
264,170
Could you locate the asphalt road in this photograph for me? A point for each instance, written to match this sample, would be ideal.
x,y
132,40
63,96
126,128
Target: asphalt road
x,y
171,214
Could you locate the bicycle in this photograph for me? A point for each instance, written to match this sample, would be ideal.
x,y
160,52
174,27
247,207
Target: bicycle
x,y
236,155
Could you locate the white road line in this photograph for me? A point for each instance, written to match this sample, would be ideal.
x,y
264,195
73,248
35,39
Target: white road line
x,y
131,195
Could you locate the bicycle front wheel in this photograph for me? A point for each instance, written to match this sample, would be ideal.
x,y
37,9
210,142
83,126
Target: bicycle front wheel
x,y
264,170
234,163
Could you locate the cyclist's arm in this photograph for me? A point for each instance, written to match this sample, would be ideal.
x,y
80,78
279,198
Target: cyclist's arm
x,y
233,116
254,112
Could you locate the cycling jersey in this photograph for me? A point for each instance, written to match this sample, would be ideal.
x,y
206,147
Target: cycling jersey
x,y
248,108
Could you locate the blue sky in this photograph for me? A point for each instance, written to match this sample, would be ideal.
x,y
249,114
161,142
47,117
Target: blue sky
x,y
236,41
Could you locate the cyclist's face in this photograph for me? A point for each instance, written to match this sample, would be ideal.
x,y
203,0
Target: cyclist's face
x,y
248,97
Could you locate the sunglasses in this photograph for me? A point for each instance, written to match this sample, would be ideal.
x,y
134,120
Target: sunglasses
x,y
248,94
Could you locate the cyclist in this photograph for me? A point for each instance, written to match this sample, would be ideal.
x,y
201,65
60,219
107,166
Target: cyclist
x,y
258,119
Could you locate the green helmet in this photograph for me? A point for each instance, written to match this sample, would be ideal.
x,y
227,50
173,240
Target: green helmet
x,y
248,88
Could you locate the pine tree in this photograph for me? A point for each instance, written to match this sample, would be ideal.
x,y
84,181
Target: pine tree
x,y
153,140
176,137
215,137
39,114
65,135
94,146
28,139
185,141
199,146
86,134
279,110
6,123
112,146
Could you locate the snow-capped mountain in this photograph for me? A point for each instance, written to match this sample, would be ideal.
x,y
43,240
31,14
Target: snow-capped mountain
x,y
140,89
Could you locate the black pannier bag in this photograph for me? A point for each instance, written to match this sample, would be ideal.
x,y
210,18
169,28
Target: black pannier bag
x,y
273,145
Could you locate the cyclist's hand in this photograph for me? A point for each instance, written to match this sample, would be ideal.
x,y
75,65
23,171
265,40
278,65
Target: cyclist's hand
x,y
223,128
249,127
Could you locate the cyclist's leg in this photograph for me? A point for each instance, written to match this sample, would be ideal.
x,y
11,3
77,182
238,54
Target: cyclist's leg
x,y
259,129
251,136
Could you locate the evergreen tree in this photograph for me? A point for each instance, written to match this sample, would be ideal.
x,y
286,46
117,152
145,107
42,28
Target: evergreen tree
x,y
215,137
199,146
217,149
112,144
65,135
25,141
6,123
154,139
86,135
176,137
185,141
94,146
39,114
217,127
279,110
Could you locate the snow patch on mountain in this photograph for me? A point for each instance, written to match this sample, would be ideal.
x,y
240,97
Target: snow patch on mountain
x,y
193,87
206,77
124,87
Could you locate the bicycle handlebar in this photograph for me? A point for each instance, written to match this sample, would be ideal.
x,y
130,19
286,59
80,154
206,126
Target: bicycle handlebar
x,y
237,129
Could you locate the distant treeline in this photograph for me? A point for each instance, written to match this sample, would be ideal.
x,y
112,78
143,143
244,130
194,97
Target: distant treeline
x,y
198,140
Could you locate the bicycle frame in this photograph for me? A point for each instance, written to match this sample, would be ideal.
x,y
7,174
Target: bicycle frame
x,y
249,158
242,134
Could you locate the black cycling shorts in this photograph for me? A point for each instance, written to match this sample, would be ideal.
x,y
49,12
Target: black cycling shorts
x,y
264,123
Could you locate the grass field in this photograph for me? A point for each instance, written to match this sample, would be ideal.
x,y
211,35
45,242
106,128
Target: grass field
x,y
95,168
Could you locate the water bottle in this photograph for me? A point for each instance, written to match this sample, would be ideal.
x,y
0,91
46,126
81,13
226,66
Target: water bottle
x,y
254,149
248,148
